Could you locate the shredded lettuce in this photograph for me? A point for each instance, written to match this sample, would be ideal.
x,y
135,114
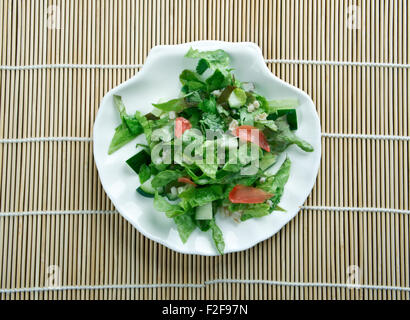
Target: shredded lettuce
x,y
185,226
132,123
249,211
217,236
202,66
284,137
121,137
212,121
144,173
129,129
196,197
165,177
276,184
218,80
192,82
208,105
217,59
162,205
171,105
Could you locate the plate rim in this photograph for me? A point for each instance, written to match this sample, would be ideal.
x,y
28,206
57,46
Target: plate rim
x,y
157,50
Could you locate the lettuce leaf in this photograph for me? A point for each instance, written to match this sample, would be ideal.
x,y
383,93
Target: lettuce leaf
x,y
212,122
208,105
131,122
192,99
218,80
262,101
144,173
162,205
190,81
165,177
203,225
267,161
145,125
275,184
217,236
268,124
121,137
185,225
172,105
215,59
256,211
202,66
209,169
129,129
245,117
251,210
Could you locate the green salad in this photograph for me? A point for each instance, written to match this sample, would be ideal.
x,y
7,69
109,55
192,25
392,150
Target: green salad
x,y
208,150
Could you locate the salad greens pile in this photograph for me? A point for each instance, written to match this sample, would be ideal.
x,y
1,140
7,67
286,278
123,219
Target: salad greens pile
x,y
209,149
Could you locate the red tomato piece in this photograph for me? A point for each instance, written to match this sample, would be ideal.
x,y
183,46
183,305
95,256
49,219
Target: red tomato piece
x,y
244,194
186,180
252,134
181,125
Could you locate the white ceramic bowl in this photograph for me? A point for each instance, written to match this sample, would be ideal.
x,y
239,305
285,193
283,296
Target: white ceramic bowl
x,y
159,79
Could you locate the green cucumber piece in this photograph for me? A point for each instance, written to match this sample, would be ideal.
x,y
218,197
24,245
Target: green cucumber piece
x,y
145,194
157,112
292,120
283,104
172,197
267,161
237,98
291,117
136,161
147,188
204,212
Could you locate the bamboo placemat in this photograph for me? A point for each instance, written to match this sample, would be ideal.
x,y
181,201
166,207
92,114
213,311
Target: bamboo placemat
x,y
55,213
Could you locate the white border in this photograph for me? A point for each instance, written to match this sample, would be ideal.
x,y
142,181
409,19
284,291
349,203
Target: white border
x,y
205,284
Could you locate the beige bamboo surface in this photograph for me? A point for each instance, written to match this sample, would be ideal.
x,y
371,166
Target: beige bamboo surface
x,y
317,246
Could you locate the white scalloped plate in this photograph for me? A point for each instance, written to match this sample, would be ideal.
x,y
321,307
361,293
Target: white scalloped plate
x,y
159,79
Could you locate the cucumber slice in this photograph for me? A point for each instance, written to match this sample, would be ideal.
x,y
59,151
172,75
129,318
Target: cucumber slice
x,y
292,120
157,112
204,212
145,194
237,98
172,197
291,117
275,105
136,161
267,161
